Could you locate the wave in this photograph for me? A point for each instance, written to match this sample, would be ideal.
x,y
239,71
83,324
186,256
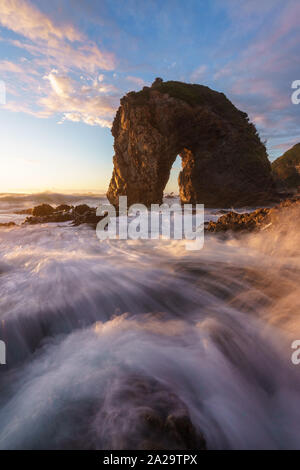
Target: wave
x,y
101,334
10,200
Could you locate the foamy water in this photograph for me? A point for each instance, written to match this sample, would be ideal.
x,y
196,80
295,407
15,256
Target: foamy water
x,y
84,321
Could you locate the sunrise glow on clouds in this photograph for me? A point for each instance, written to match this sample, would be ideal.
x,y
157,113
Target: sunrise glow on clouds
x,y
67,63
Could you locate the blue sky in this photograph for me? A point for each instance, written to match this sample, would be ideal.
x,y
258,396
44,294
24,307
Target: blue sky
x,y
67,63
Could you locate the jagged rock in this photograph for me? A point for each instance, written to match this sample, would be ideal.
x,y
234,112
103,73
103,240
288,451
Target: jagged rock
x,y
286,169
24,211
84,214
224,162
55,217
81,214
81,209
63,208
7,224
42,210
148,416
249,221
236,222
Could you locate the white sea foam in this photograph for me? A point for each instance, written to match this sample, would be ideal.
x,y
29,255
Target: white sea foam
x,y
81,317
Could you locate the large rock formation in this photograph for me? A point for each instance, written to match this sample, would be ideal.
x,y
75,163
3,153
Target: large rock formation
x,y
224,162
286,169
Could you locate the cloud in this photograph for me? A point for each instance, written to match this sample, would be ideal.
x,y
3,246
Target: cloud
x,y
17,107
78,103
61,55
85,56
24,18
136,80
61,85
199,73
7,66
259,62
285,145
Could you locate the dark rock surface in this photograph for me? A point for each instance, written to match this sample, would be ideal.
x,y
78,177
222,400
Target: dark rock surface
x,y
224,162
236,222
148,416
249,221
82,214
7,224
24,212
45,219
63,208
42,210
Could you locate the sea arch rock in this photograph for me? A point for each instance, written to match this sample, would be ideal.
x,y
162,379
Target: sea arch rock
x,y
224,163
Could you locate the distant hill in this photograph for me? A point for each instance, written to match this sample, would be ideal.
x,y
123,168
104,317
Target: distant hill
x,y
286,169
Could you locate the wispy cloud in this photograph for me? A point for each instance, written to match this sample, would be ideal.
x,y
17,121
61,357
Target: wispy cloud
x,y
94,105
24,18
72,55
136,80
263,62
199,73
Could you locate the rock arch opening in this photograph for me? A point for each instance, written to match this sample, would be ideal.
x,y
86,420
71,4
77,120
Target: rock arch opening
x,y
172,186
224,163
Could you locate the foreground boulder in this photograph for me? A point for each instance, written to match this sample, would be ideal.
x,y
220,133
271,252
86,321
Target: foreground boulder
x,y
224,163
147,416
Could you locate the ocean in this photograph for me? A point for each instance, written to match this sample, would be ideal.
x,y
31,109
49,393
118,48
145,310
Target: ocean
x,y
100,334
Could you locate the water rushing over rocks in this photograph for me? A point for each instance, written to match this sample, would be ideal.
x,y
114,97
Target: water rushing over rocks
x,y
142,344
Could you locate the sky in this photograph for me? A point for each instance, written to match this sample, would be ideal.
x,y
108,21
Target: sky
x,y
66,64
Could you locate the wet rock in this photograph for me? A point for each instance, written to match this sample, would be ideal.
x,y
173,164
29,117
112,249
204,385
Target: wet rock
x,y
141,413
7,224
63,208
24,211
249,221
84,214
81,209
224,163
42,210
236,222
55,217
81,214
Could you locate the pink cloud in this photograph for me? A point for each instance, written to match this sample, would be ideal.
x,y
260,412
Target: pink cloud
x,y
136,80
62,47
24,18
